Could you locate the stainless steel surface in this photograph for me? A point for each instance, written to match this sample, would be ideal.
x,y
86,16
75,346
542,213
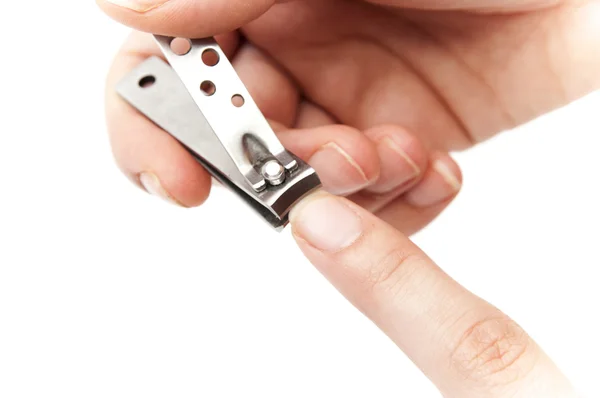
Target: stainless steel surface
x,y
233,146
229,122
273,172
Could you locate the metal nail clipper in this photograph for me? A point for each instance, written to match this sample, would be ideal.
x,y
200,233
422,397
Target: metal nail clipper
x,y
200,101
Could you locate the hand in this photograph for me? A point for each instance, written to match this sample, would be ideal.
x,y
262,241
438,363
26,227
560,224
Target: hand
x,y
465,346
373,94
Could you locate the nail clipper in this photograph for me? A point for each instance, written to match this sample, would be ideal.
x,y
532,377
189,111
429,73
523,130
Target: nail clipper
x,y
198,98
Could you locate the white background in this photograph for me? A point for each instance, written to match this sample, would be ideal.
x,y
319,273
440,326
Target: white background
x,y
106,291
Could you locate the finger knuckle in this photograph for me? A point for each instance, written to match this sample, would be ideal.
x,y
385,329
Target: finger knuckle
x,y
493,351
392,270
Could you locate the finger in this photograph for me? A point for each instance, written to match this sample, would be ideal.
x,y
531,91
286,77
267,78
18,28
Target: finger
x,y
185,18
310,115
431,191
425,201
402,158
471,5
409,211
344,158
271,89
147,155
464,345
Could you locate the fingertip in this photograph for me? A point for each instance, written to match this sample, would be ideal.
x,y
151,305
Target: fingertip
x,y
161,167
402,157
153,159
448,168
345,160
440,184
410,143
185,181
153,185
297,209
360,149
326,222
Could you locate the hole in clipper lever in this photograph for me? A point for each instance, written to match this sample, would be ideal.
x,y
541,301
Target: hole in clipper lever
x,y
210,57
238,101
181,46
147,81
208,88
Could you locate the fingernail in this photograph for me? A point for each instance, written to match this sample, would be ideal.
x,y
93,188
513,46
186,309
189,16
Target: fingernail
x,y
152,185
339,173
440,184
397,168
326,223
138,5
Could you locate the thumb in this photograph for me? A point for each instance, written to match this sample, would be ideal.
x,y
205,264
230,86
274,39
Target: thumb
x,y
467,347
185,18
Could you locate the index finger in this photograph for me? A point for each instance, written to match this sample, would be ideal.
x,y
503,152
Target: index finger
x,y
467,347
185,18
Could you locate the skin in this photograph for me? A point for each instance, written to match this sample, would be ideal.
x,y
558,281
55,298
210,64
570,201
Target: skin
x,y
432,76
380,82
